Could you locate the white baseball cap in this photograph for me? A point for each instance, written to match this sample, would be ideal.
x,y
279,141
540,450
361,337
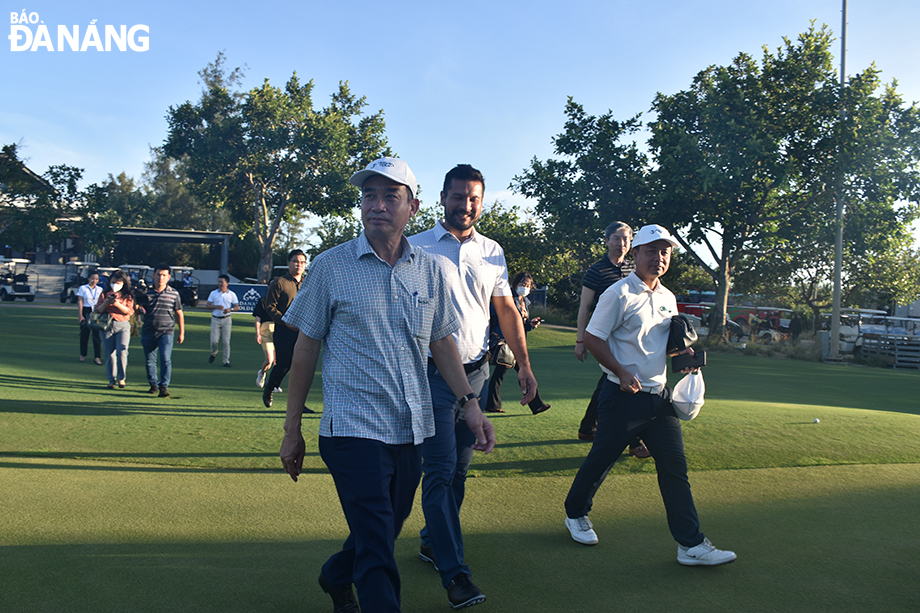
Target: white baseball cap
x,y
394,169
652,233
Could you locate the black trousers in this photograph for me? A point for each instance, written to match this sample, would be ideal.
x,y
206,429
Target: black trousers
x,y
494,399
589,421
284,339
86,333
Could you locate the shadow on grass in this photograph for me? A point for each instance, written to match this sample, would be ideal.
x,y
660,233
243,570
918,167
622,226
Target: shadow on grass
x,y
153,406
130,463
853,551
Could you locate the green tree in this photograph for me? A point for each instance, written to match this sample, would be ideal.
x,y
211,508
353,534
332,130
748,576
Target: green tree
x,y
33,208
600,177
268,153
753,153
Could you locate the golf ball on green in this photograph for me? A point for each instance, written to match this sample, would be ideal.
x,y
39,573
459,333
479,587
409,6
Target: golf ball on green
x,y
817,421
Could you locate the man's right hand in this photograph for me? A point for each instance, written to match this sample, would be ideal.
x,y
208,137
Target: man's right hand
x,y
293,450
580,351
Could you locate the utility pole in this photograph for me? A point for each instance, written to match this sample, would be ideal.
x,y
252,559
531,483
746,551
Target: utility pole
x,y
834,353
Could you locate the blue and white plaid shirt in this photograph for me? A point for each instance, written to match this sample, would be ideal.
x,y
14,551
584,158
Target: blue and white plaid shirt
x,y
376,322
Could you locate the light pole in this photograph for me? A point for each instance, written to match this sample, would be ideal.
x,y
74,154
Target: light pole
x,y
838,244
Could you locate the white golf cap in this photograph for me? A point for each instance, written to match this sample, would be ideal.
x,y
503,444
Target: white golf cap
x,y
392,168
652,233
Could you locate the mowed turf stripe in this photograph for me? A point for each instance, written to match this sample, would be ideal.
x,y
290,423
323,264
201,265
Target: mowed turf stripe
x,y
153,539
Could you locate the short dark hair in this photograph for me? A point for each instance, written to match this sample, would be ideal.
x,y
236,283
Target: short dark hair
x,y
160,267
616,227
224,277
293,254
463,172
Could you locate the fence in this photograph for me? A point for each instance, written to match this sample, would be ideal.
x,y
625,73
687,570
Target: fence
x,y
897,350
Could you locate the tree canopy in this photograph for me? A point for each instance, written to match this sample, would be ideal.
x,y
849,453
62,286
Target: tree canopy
x,y
745,166
267,154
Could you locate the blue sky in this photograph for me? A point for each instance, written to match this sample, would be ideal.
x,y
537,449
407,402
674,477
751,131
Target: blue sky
x,y
484,83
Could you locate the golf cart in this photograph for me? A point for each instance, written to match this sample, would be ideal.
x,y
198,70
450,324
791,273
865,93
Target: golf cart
x,y
104,274
186,284
769,325
853,324
14,280
138,275
75,275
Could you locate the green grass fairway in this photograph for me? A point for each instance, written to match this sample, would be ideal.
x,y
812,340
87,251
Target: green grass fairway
x,y
118,501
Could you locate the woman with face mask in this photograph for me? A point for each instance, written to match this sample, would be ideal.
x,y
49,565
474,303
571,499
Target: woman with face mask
x,y
118,302
520,289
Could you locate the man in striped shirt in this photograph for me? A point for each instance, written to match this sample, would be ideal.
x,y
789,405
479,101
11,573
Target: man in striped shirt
x,y
162,311
610,269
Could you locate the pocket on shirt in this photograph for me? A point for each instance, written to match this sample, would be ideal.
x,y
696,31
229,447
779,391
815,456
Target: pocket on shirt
x,y
420,316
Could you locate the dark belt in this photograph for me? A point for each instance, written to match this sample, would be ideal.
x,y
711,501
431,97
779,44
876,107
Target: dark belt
x,y
468,368
220,316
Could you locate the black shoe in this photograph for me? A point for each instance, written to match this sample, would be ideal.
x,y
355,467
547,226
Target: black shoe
x,y
226,364
426,554
211,359
461,593
307,410
267,397
343,598
586,436
164,393
153,389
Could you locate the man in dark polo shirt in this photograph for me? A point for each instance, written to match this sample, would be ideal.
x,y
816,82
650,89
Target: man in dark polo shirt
x,y
610,269
281,293
162,311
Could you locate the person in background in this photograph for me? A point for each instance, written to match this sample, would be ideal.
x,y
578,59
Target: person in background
x,y
278,298
264,334
520,289
87,297
163,311
118,302
610,269
222,302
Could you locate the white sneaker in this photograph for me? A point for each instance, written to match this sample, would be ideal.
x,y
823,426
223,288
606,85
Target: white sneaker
x,y
277,390
582,530
704,554
260,378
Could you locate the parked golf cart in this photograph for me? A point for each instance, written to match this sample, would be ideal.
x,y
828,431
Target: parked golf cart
x,y
105,272
75,275
853,324
138,275
186,284
14,280
770,325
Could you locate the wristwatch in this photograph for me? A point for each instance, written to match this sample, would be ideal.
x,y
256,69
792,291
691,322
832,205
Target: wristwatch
x,y
467,398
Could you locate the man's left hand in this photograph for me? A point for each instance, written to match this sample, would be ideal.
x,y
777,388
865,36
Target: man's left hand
x,y
688,350
528,385
480,426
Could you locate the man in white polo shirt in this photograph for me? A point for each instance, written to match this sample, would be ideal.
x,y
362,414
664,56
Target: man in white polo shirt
x,y
222,303
628,336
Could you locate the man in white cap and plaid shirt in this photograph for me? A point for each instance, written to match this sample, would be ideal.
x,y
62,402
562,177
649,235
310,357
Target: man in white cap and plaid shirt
x,y
375,306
